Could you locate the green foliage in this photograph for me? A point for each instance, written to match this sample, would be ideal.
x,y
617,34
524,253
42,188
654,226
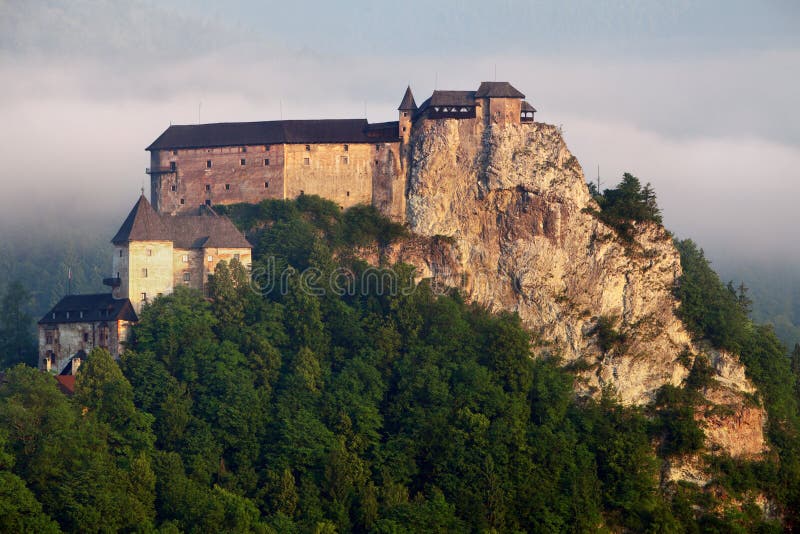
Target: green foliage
x,y
366,411
626,204
709,308
17,343
719,313
608,337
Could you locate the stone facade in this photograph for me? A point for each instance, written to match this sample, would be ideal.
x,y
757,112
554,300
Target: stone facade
x,y
79,323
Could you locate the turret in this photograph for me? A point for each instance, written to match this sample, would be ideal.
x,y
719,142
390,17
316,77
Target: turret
x,y
406,109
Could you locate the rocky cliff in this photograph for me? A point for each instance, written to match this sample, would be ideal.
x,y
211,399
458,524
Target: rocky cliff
x,y
505,215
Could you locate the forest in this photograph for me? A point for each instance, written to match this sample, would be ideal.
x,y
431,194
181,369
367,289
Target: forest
x,y
378,411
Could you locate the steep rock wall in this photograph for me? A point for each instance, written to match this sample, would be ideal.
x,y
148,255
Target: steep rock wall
x,y
504,214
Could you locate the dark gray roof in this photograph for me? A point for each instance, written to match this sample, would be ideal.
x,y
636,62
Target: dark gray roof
x,y
527,107
205,229
452,98
89,308
408,103
497,90
265,133
142,224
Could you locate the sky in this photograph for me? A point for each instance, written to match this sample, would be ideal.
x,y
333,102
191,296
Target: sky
x,y
698,98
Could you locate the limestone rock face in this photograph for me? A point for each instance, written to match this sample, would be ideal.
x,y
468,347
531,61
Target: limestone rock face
x,y
503,213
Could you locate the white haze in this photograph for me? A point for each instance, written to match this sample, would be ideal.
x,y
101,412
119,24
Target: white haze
x,y
716,132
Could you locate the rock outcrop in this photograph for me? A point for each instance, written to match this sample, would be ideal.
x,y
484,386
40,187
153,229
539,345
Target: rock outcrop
x,y
504,214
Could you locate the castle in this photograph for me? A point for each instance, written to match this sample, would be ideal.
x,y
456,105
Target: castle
x,y
348,161
178,238
153,253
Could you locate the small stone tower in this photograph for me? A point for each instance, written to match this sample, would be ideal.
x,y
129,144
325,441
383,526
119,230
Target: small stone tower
x,y
407,109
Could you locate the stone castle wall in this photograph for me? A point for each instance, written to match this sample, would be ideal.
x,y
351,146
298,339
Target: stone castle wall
x,y
219,175
348,174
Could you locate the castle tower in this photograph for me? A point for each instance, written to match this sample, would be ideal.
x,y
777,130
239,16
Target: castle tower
x,y
407,109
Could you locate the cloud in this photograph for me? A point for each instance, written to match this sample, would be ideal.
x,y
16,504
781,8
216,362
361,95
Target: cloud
x,y
86,86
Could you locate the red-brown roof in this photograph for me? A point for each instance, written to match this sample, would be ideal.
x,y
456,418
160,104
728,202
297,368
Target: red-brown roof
x,y
66,383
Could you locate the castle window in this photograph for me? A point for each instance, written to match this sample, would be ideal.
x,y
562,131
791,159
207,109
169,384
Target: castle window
x,y
174,188
118,275
208,164
236,257
308,148
144,297
48,337
149,251
120,253
266,185
174,152
345,160
306,161
183,201
208,187
208,202
377,147
187,276
302,192
144,272
210,258
348,193
266,161
266,148
85,337
227,187
405,114
244,149
404,128
185,258
243,162
173,166
346,148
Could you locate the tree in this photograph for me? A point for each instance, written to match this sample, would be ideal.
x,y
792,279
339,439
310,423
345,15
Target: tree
x,y
17,344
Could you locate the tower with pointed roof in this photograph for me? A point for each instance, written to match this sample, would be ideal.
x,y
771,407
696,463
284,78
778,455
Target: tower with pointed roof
x,y
406,111
155,252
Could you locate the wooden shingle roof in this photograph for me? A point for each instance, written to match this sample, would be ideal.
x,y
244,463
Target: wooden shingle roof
x,y
497,90
89,308
408,103
205,229
266,133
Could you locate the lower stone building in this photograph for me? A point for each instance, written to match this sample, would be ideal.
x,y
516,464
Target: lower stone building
x,y
78,324
153,253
